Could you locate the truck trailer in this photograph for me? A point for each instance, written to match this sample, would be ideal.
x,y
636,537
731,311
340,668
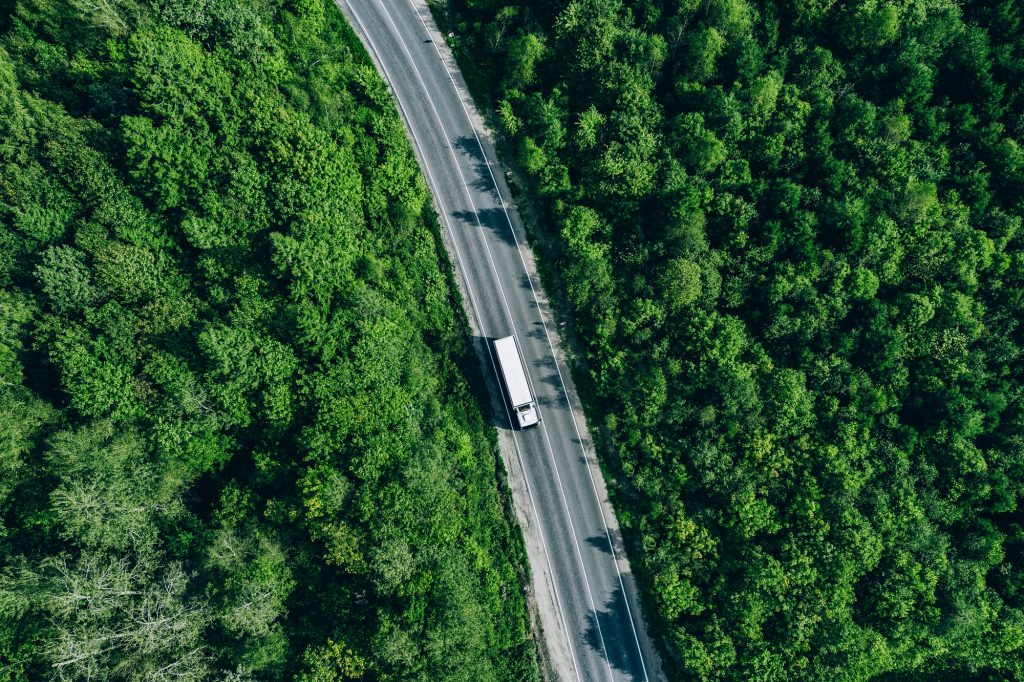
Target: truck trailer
x,y
518,392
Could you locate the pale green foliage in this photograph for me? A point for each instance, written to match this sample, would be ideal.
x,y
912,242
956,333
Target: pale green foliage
x,y
680,283
116,618
254,581
249,373
529,49
66,280
109,496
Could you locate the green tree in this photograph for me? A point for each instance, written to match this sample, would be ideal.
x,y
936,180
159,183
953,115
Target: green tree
x,y
789,241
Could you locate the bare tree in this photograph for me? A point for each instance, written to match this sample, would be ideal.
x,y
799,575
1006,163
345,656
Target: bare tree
x,y
115,618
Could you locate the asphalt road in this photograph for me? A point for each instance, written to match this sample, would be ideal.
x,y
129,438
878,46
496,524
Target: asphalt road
x,y
593,593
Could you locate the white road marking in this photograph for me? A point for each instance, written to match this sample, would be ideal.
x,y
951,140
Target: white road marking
x,y
476,312
593,483
508,312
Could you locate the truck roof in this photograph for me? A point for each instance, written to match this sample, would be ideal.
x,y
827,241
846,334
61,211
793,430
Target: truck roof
x,y
512,368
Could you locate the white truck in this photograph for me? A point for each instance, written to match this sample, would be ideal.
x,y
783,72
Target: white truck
x,y
517,386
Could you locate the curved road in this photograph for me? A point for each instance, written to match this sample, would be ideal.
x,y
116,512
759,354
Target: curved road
x,y
586,597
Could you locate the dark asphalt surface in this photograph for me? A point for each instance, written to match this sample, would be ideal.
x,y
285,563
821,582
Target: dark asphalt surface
x,y
604,626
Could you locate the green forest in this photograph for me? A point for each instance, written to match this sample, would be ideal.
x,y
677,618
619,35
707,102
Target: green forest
x,y
239,437
789,238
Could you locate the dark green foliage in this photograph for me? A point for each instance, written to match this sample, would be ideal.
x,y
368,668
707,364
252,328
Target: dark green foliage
x,y
234,439
791,237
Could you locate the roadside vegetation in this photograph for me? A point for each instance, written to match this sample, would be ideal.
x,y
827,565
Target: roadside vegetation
x,y
235,439
790,235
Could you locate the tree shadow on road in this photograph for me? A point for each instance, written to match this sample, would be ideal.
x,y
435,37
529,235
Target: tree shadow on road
x,y
481,180
486,388
600,542
491,219
609,633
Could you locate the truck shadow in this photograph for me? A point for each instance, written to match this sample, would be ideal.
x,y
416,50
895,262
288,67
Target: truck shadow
x,y
487,392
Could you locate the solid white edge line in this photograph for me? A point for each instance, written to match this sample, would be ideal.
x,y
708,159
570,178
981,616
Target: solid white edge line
x,y
501,200
490,355
508,311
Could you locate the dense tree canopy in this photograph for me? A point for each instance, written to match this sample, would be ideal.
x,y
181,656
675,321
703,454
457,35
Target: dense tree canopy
x,y
235,438
790,233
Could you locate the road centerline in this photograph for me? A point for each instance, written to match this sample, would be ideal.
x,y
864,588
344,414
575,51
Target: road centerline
x,y
408,70
547,337
508,311
476,313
